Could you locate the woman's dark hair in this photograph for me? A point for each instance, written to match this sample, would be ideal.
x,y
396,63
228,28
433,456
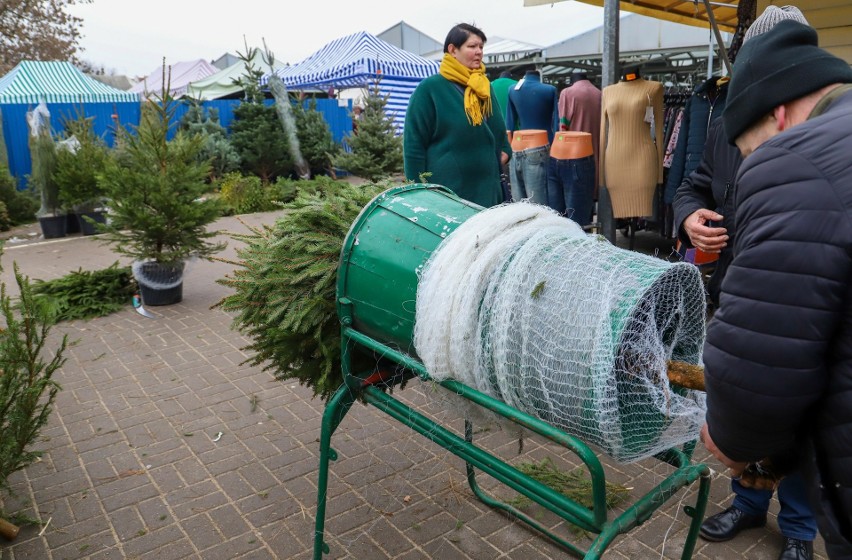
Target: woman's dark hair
x,y
459,34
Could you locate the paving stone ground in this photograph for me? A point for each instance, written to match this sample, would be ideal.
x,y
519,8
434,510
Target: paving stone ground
x,y
134,466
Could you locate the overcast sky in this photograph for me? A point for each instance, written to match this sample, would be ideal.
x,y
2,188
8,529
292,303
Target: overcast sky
x,y
133,37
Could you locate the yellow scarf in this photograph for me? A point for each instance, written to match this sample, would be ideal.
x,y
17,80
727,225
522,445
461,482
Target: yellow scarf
x,y
477,93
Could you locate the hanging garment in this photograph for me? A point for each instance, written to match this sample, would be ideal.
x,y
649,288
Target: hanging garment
x,y
703,107
533,105
631,145
580,111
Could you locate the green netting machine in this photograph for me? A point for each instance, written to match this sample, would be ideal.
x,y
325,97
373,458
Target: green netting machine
x,y
385,248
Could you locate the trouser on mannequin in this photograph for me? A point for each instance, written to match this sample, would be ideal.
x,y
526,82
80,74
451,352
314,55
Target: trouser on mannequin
x,y
571,176
571,186
528,166
528,175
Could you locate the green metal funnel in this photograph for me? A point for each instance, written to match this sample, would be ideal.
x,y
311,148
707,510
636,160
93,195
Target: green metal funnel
x,y
384,251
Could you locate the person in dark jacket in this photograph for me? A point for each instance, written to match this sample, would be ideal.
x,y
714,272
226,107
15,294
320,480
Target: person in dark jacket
x,y
778,354
704,204
712,185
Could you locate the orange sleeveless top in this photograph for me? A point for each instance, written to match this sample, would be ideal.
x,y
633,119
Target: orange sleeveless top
x,y
571,145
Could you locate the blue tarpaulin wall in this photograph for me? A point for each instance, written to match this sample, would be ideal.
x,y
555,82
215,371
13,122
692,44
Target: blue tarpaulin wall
x,y
16,130
339,119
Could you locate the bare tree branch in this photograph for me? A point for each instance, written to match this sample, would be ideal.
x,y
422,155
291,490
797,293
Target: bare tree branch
x,y
38,30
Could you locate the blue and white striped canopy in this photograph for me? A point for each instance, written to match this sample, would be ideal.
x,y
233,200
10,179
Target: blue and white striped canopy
x,y
56,82
362,60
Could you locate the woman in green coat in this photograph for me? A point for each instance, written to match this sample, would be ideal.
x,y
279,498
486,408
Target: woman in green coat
x,y
451,130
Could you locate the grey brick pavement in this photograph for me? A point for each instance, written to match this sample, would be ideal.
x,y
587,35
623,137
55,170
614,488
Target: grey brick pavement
x,y
131,467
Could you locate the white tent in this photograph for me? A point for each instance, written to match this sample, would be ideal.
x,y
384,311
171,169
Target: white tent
x,y
223,83
178,76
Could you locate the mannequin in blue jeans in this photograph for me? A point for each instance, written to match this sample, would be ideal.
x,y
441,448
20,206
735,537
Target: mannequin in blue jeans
x,y
571,176
532,107
528,166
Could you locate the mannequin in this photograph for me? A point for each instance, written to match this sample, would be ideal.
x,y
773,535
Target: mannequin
x,y
532,106
580,111
631,145
501,87
576,77
571,175
527,139
528,166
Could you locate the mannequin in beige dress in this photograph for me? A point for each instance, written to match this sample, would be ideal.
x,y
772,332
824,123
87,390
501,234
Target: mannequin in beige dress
x,y
631,154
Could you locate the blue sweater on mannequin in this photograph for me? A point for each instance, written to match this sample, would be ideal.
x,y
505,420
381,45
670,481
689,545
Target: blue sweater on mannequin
x,y
533,106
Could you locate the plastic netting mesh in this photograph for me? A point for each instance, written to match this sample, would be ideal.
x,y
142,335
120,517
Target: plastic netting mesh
x,y
158,276
519,303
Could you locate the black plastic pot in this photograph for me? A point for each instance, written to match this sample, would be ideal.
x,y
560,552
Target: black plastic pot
x,y
159,296
53,226
89,228
72,223
160,284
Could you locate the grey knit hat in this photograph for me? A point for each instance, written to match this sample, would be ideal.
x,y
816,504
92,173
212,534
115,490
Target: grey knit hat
x,y
772,15
783,64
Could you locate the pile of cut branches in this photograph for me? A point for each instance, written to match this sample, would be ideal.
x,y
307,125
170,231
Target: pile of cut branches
x,y
285,283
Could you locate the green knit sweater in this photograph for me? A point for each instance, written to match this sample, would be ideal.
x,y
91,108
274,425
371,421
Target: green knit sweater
x,y
439,139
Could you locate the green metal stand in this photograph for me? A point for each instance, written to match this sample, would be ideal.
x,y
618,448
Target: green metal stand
x,y
594,519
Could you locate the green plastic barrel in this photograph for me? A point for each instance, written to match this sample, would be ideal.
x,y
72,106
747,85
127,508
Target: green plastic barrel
x,y
385,249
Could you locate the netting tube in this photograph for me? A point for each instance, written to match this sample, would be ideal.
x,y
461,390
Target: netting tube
x,y
522,305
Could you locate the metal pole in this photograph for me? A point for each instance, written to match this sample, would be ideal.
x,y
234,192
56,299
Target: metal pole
x,y
710,59
609,76
723,53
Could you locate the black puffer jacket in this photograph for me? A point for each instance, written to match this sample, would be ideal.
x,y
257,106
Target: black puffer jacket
x,y
778,355
703,108
711,186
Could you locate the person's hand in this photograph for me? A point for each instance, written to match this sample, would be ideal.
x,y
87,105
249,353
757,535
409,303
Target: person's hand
x,y
504,158
737,467
708,239
760,476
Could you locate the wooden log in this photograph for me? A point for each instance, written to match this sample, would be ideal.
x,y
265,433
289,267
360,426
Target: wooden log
x,y
8,531
688,376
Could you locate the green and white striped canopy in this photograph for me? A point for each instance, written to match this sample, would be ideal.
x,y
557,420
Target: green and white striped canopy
x,y
56,82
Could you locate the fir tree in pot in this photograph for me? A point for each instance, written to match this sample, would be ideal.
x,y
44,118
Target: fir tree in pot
x,y
80,158
158,212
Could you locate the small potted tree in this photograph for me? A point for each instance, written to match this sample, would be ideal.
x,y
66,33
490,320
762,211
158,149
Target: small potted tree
x,y
158,212
50,216
79,160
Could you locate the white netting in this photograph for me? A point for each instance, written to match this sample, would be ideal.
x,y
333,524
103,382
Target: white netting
x,y
519,303
158,276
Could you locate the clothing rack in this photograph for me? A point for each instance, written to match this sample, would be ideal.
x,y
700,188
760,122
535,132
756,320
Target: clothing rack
x,y
675,98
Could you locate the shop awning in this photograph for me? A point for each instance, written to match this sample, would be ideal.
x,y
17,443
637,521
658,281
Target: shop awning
x,y
690,12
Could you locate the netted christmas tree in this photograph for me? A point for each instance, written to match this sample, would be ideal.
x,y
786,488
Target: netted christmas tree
x,y
315,139
377,148
256,132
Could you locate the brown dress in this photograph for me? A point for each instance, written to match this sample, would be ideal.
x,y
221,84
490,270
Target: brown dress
x,y
631,154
